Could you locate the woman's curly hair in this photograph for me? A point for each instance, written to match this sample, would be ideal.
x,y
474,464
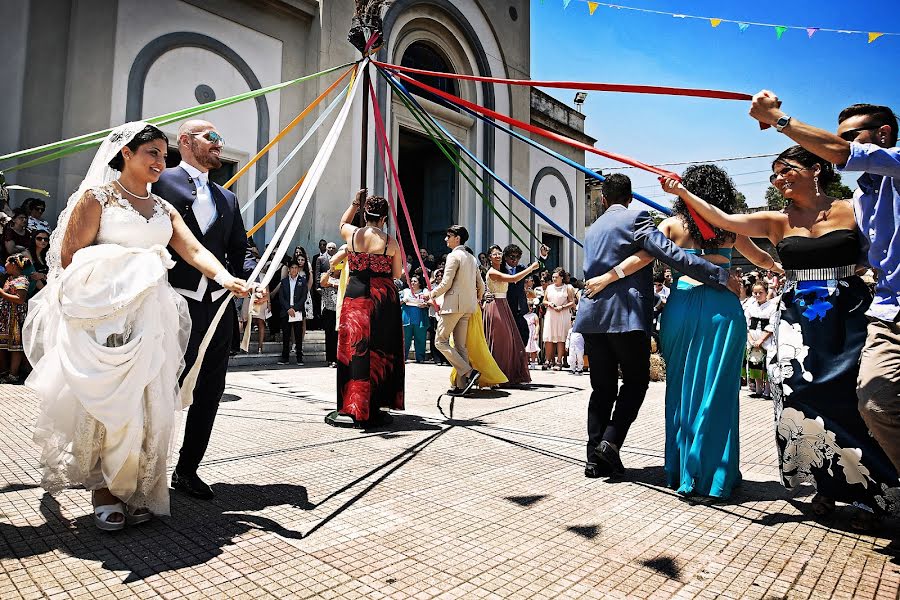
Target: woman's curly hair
x,y
715,186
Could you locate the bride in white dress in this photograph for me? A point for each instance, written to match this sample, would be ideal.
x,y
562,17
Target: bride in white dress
x,y
107,335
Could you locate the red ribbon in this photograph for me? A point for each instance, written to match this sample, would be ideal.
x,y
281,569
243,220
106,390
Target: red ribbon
x,y
580,85
385,148
705,230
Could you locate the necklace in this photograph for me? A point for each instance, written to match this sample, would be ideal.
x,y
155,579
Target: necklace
x,y
130,193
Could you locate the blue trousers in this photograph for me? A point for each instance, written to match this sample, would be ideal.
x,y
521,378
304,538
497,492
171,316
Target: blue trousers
x,y
418,333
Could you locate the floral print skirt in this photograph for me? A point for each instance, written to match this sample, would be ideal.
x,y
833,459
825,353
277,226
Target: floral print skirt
x,y
370,369
820,330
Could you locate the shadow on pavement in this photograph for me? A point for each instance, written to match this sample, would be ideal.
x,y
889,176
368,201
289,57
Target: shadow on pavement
x,y
197,531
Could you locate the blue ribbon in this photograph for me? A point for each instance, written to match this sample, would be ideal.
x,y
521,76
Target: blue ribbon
x,y
468,153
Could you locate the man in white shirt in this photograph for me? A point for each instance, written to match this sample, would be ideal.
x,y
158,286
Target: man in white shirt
x,y
212,214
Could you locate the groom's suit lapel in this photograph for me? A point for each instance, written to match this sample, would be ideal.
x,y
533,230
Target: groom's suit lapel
x,y
183,183
222,207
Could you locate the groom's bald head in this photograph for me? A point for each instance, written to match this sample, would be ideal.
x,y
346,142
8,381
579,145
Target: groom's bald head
x,y
196,148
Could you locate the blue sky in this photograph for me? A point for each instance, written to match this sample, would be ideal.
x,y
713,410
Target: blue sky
x,y
815,78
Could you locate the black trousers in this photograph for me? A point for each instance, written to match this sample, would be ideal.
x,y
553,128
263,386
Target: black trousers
x,y
210,382
316,323
328,322
612,409
286,329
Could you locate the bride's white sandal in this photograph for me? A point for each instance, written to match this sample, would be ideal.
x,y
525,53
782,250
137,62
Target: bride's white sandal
x,y
104,512
138,516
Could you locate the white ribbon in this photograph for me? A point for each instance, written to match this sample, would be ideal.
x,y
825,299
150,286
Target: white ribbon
x,y
284,233
297,148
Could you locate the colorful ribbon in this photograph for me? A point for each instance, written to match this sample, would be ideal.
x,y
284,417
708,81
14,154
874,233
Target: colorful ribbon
x,y
472,156
580,85
704,227
286,130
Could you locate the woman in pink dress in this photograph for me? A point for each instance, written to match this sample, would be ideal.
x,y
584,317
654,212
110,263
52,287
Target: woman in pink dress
x,y
559,298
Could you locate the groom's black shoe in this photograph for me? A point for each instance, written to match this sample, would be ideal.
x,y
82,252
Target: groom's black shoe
x,y
192,485
593,471
608,459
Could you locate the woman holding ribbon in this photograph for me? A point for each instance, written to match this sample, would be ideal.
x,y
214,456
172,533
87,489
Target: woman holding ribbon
x,y
107,333
500,330
702,337
819,330
370,371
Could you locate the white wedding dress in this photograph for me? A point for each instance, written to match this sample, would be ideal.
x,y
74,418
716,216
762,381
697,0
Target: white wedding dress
x,y
107,339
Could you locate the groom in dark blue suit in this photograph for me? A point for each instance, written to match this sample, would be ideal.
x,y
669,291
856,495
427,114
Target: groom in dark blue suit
x,y
616,320
212,214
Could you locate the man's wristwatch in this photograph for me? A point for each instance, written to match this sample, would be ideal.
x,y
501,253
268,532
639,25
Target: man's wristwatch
x,y
781,123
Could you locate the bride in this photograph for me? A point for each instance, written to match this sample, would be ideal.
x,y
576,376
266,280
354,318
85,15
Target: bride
x,y
107,334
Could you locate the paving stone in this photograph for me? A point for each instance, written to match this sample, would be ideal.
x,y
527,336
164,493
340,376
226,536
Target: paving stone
x,y
492,504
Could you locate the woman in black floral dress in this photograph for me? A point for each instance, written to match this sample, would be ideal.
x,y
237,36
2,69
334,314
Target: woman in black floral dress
x,y
370,361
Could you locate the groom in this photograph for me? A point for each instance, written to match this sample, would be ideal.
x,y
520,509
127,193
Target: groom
x,y
211,212
616,321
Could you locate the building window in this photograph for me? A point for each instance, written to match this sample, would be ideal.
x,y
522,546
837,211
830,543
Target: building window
x,y
420,55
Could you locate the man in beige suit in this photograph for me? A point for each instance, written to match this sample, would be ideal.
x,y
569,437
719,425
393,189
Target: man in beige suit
x,y
461,288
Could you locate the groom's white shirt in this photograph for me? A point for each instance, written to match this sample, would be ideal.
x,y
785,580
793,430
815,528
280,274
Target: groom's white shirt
x,y
204,208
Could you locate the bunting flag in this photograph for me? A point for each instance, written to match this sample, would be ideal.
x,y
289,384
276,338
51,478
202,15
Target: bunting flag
x,y
742,25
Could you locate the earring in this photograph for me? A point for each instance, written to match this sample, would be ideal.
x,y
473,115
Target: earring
x,y
816,182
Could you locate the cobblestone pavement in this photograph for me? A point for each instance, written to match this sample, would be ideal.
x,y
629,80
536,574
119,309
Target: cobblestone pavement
x,y
492,504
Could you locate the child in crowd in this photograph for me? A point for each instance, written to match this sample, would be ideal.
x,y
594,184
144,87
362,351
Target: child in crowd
x,y
575,346
533,346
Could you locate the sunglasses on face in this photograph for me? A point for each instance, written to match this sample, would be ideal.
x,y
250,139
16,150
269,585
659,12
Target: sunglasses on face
x,y
211,136
42,239
851,134
784,171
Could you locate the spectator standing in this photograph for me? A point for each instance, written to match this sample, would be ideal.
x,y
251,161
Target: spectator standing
x,y
415,318
293,291
559,300
13,309
15,235
329,283
35,210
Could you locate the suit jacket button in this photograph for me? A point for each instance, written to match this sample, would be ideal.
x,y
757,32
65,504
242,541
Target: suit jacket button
x,y
194,193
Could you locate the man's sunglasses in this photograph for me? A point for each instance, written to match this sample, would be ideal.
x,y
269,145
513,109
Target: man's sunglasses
x,y
211,136
851,134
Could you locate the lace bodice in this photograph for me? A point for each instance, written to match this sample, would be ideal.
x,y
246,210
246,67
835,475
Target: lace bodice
x,y
122,224
495,286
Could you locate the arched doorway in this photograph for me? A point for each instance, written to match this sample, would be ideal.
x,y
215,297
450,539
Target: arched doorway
x,y
427,177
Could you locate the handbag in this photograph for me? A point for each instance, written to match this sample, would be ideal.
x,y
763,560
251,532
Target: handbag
x,y
308,307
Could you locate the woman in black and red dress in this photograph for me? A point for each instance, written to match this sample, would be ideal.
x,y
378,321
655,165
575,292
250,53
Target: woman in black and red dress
x,y
370,361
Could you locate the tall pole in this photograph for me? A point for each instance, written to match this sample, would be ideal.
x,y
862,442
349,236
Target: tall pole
x,y
364,147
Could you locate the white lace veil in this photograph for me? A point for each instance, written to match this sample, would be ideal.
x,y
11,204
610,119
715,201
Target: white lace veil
x,y
99,173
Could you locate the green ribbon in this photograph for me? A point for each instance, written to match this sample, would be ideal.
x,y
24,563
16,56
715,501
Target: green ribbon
x,y
90,140
441,143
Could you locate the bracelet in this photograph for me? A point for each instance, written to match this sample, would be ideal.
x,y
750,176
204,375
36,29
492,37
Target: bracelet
x,y
619,272
223,277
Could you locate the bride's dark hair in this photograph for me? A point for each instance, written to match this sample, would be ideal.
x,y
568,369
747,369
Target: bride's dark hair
x,y
145,135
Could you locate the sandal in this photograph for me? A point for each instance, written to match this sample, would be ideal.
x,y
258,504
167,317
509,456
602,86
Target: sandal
x,y
104,512
138,516
822,506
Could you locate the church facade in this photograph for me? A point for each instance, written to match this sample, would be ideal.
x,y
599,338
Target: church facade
x,y
84,65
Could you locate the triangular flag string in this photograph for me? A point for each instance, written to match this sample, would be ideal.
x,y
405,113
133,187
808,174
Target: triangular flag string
x,y
742,25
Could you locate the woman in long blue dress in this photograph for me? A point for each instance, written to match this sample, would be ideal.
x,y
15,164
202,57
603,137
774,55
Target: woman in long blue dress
x,y
703,333
819,332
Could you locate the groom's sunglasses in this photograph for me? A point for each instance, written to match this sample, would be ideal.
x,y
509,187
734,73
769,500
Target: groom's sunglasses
x,y
212,137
